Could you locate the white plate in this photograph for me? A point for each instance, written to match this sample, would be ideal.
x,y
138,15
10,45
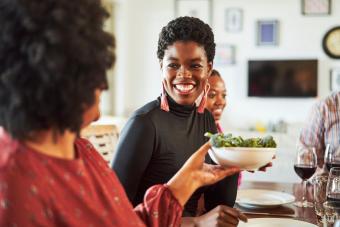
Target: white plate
x,y
262,198
277,222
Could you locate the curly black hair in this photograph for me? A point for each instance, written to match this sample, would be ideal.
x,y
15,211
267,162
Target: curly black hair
x,y
214,72
187,29
53,56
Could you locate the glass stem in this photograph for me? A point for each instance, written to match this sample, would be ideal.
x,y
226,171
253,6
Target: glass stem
x,y
304,182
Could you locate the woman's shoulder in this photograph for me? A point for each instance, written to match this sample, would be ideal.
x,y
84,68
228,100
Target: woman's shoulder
x,y
86,150
147,108
9,149
208,116
209,121
146,115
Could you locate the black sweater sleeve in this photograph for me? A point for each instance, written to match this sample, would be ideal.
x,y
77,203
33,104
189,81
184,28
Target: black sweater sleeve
x,y
134,153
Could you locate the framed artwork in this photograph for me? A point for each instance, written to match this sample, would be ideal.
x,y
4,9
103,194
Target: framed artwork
x,y
267,33
335,79
316,7
225,55
194,8
233,19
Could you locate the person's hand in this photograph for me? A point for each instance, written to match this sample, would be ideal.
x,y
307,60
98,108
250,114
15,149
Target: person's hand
x,y
206,174
264,168
220,216
195,173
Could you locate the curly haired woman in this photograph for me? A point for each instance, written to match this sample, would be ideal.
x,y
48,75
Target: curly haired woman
x,y
54,55
164,133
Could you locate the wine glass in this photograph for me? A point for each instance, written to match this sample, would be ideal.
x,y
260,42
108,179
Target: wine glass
x,y
333,185
305,166
332,156
332,205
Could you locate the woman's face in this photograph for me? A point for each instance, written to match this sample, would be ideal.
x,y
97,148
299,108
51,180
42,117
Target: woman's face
x,y
217,94
93,112
185,69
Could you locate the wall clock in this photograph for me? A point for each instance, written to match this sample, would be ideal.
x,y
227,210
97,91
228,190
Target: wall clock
x,y
331,42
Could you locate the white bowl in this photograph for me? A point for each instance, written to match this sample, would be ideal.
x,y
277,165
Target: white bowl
x,y
246,158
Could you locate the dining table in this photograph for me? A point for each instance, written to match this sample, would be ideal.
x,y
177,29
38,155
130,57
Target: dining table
x,y
282,211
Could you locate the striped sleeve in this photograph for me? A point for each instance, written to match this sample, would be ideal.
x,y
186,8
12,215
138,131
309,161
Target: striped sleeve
x,y
313,132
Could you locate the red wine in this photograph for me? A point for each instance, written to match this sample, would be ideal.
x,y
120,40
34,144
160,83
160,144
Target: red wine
x,y
329,165
304,171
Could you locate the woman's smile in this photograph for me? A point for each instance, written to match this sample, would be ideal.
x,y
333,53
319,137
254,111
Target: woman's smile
x,y
184,88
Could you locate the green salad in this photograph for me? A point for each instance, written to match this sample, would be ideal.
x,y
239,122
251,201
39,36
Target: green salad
x,y
228,140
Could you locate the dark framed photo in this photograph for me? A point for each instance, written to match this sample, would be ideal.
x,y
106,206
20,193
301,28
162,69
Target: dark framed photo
x,y
225,55
335,79
194,8
233,19
316,7
267,32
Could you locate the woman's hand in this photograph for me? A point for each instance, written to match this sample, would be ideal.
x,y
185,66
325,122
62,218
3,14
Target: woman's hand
x,y
195,173
220,216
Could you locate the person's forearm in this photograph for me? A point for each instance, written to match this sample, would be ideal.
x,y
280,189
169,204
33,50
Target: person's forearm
x,y
194,174
182,185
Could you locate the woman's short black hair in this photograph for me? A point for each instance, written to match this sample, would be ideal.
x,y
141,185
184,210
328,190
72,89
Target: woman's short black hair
x,y
53,56
187,29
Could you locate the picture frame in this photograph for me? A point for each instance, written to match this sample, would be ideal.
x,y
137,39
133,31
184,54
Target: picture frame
x,y
267,32
233,19
194,8
316,7
225,55
335,79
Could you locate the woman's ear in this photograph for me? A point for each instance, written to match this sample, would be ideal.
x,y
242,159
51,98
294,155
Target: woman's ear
x,y
210,68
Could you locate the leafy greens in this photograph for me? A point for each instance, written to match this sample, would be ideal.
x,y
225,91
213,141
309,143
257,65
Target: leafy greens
x,y
227,140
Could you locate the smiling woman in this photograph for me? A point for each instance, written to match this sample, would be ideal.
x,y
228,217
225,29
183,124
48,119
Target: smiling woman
x,y
162,135
217,94
185,70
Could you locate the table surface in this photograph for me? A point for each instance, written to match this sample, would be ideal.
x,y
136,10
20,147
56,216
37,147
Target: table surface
x,y
303,214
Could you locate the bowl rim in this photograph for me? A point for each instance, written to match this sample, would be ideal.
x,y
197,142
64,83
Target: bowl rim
x,y
240,149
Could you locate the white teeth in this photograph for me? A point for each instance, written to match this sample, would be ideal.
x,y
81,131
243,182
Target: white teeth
x,y
218,111
184,87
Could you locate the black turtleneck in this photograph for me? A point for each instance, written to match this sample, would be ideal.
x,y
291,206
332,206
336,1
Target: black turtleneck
x,y
154,145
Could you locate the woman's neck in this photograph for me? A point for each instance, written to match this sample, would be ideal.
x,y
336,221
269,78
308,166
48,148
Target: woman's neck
x,y
54,144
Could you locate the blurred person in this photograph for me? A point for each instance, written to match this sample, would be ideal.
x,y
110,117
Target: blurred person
x,y
54,56
217,101
216,98
322,126
160,136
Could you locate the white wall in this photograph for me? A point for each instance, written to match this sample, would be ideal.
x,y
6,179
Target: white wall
x,y
138,77
299,37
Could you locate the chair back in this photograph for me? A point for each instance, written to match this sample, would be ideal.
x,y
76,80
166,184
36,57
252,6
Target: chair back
x,y
104,138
